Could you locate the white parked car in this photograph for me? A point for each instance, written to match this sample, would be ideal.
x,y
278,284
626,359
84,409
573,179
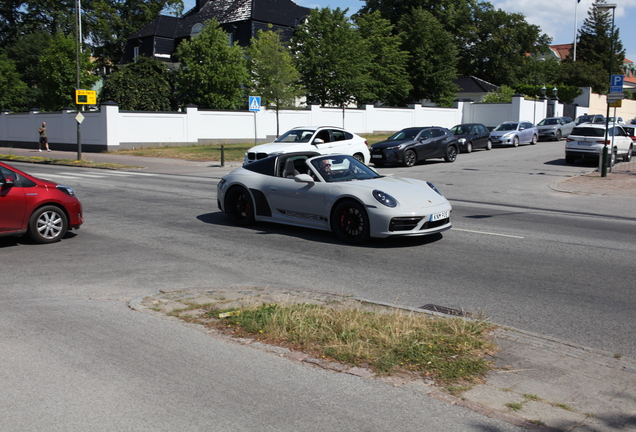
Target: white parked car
x,y
334,193
618,120
514,133
588,139
323,139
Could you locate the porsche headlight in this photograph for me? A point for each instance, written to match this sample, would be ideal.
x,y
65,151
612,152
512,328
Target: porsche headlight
x,y
221,184
432,186
384,198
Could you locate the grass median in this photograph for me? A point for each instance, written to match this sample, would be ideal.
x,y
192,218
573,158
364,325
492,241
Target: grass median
x,y
65,162
387,341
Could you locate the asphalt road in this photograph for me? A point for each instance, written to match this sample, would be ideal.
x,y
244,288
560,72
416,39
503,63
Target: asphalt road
x,y
519,252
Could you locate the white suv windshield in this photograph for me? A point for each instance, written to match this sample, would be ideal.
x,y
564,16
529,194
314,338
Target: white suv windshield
x,y
296,135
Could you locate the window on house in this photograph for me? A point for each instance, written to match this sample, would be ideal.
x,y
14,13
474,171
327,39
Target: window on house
x,y
196,29
136,53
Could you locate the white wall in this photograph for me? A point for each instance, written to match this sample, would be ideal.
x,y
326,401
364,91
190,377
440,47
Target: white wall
x,y
110,129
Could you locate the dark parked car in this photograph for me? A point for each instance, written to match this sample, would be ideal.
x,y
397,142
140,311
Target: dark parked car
x,y
42,209
590,118
472,136
555,128
414,144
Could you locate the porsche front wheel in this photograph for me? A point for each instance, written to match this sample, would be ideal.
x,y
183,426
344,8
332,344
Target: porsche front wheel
x,y
239,206
350,222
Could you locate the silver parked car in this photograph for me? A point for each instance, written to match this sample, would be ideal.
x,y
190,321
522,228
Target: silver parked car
x,y
513,133
555,128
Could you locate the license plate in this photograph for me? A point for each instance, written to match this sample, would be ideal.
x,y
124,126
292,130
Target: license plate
x,y
439,216
376,156
584,143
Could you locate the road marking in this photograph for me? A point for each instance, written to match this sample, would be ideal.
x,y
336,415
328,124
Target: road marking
x,y
488,233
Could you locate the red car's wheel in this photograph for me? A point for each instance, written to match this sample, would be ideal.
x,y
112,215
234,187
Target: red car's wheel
x,y
47,224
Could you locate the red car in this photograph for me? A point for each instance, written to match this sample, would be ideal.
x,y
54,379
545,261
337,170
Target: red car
x,y
43,209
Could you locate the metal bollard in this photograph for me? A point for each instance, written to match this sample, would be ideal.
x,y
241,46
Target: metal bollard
x,y
222,155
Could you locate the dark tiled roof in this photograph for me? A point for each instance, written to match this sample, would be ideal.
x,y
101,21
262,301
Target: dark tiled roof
x,y
471,84
279,12
163,26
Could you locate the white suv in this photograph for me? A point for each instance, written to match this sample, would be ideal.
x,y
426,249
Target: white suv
x,y
323,139
588,139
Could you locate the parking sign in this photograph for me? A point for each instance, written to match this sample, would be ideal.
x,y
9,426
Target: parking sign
x,y
616,84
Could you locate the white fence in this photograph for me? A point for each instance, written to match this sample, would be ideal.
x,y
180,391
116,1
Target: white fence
x,y
111,129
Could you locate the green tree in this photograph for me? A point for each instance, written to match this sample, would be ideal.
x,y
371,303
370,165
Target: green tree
x,y
212,73
26,53
583,74
273,74
594,46
503,95
433,57
500,46
57,71
12,88
140,86
456,16
389,82
108,24
332,59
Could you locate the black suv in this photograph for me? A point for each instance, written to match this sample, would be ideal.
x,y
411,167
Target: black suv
x,y
414,144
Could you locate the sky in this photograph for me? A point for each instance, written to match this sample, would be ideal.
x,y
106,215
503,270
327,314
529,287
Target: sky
x,y
555,17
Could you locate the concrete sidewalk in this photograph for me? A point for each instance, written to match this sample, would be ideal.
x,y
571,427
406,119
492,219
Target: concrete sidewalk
x,y
538,383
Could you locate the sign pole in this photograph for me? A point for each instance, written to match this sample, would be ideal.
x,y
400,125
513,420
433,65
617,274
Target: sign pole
x,y
254,104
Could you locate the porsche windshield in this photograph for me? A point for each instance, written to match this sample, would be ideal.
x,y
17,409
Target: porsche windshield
x,y
342,168
296,136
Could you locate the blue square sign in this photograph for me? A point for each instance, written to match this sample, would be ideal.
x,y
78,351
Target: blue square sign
x,y
616,84
255,103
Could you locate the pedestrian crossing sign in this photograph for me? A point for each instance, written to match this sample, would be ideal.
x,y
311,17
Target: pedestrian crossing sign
x,y
255,103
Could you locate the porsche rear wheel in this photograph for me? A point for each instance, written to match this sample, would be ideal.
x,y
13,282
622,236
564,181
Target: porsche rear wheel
x,y
350,222
239,206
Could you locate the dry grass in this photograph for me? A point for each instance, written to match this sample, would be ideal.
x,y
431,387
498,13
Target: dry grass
x,y
65,162
447,349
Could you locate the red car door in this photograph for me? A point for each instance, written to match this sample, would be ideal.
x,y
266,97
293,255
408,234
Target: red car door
x,y
12,202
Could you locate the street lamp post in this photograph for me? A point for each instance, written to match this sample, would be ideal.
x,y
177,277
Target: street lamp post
x,y
604,7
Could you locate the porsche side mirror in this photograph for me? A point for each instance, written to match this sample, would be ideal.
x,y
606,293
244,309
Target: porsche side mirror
x,y
303,178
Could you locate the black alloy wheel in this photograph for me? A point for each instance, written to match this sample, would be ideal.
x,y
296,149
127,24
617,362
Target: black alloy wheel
x,y
409,158
451,154
350,222
239,206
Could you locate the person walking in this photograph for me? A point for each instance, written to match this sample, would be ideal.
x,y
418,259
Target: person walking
x,y
43,138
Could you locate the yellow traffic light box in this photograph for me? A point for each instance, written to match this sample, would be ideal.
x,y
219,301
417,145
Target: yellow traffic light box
x,y
85,97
